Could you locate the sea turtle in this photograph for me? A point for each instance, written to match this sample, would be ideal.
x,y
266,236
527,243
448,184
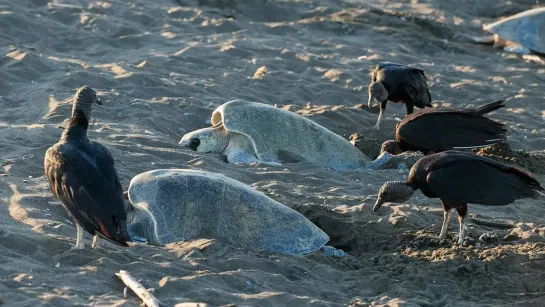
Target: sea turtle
x,y
520,33
248,132
172,205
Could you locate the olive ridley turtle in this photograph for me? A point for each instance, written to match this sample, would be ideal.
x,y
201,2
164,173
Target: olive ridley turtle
x,y
520,33
248,132
172,205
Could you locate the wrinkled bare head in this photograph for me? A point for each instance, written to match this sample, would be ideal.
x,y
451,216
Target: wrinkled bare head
x,y
391,147
83,100
207,140
393,192
378,92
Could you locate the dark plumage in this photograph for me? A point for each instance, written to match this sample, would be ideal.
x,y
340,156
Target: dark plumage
x,y
440,129
400,84
82,177
459,178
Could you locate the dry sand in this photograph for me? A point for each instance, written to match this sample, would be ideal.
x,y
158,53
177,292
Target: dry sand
x,y
161,69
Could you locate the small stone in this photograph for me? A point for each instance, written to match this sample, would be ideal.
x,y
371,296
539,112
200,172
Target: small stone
x,y
511,237
58,265
260,72
464,269
489,238
141,64
468,241
248,283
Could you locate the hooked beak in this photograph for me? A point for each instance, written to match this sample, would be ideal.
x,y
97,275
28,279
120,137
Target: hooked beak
x,y
377,205
99,102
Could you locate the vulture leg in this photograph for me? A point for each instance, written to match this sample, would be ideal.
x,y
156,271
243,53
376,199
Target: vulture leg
x,y
79,237
409,105
462,212
381,114
95,241
446,219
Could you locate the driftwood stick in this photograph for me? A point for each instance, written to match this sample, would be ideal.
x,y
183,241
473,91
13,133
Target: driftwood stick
x,y
138,289
492,224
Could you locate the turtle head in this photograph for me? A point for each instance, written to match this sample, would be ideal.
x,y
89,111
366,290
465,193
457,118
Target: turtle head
x,y
391,147
208,140
393,192
377,91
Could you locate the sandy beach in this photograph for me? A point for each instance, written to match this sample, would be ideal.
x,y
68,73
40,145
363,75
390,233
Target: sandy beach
x,y
161,68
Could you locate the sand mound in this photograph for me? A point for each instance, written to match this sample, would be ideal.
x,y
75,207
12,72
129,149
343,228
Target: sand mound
x,y
531,161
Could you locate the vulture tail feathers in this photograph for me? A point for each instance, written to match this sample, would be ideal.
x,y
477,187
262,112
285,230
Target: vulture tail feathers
x,y
489,107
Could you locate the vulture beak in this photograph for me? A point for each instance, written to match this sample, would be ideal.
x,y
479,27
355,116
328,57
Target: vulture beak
x,y
98,101
377,205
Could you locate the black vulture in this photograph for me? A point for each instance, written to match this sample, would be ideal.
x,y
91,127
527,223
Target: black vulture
x,y
400,84
83,178
440,129
458,178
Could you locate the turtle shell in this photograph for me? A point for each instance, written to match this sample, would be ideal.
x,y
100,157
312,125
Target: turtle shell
x,y
526,28
190,204
275,132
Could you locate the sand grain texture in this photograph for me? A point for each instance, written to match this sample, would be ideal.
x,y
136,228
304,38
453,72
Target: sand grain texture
x,y
161,69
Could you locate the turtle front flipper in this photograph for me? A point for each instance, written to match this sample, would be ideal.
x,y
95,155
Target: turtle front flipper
x,y
332,251
380,161
389,161
519,49
244,157
133,235
241,156
488,39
